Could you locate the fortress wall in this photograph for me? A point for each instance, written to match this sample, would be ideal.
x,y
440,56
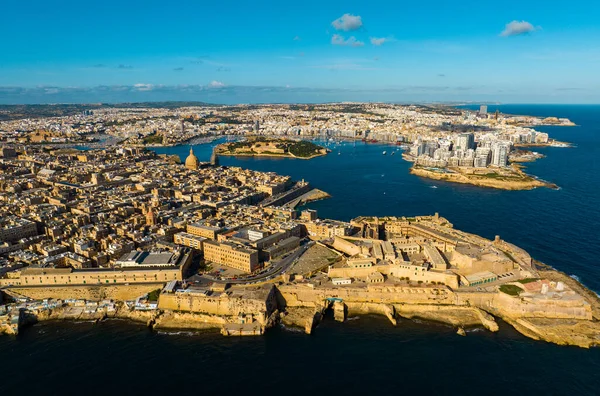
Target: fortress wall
x,y
461,261
114,292
453,315
346,247
180,320
519,307
448,279
559,309
500,303
349,272
222,306
498,267
300,296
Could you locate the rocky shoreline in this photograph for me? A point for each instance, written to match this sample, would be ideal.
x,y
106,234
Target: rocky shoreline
x,y
264,155
520,180
466,313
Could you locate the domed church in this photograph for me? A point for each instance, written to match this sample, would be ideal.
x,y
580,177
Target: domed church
x,y
191,162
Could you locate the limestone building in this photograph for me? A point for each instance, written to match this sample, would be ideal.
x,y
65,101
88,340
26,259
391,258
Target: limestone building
x,y
231,255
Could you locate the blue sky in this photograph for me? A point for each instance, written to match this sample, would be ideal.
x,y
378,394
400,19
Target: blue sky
x,y
225,51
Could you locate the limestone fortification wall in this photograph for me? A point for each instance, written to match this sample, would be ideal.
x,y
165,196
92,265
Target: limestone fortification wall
x,y
448,279
302,296
506,305
345,246
115,292
182,320
222,306
559,309
349,272
498,303
469,265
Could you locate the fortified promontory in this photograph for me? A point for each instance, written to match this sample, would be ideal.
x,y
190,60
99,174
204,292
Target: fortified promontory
x,y
267,147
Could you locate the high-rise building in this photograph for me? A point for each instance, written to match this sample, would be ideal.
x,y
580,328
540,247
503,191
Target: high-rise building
x,y
430,148
465,141
500,152
483,110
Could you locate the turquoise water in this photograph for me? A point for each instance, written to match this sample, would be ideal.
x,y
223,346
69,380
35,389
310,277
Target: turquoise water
x,y
367,355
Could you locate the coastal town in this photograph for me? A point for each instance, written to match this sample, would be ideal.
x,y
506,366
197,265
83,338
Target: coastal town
x,y
123,232
444,143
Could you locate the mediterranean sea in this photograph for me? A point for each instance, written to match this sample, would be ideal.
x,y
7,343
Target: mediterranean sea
x,y
366,355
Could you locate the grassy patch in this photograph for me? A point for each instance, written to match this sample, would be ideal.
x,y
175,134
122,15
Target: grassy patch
x,y
527,280
304,149
153,295
511,290
153,139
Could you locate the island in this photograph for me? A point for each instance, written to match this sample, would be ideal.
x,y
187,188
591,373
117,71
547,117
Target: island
x,y
270,147
125,233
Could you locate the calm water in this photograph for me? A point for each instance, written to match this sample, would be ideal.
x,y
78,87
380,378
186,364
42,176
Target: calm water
x,y
367,355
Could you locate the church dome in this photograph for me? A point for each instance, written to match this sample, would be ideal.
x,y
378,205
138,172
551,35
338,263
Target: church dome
x,y
191,162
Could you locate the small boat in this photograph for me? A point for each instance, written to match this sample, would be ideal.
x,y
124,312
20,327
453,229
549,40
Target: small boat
x,y
393,152
385,152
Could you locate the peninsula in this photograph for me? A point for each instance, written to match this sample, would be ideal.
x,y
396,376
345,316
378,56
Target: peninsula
x,y
125,233
480,159
508,178
268,147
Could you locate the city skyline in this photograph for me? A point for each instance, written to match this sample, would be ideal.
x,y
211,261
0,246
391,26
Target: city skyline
x,y
341,51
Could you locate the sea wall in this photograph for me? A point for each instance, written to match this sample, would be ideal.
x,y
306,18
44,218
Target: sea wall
x,y
186,320
305,296
425,299
260,304
114,292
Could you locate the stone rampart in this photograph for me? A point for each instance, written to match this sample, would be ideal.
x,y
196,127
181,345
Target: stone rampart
x,y
114,292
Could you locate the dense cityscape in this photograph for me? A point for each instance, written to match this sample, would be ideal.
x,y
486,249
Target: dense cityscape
x,y
445,143
119,231
301,197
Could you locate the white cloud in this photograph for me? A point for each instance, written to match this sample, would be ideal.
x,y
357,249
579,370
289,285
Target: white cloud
x,y
347,22
337,39
297,38
216,84
144,87
516,28
378,40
